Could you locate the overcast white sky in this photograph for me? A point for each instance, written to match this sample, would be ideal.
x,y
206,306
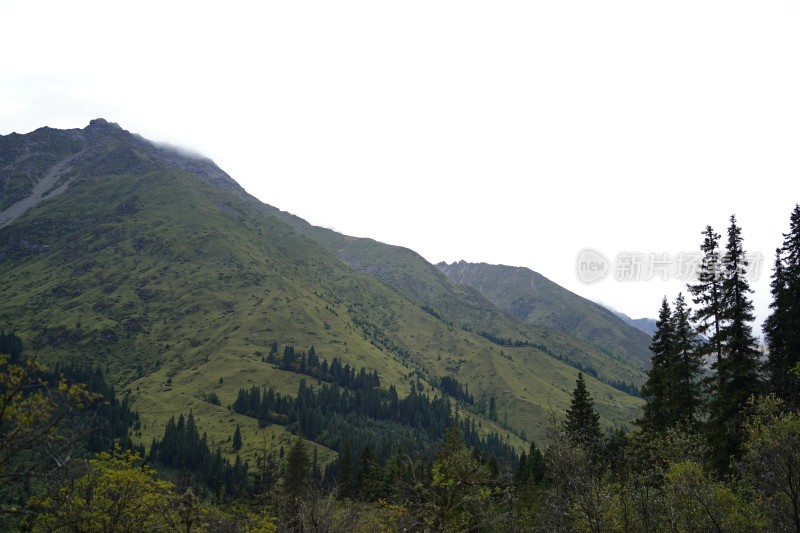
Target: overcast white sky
x,y
505,132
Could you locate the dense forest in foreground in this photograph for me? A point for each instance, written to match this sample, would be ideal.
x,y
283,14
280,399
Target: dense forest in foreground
x,y
717,446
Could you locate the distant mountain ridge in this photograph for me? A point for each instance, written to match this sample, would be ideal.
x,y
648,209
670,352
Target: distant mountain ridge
x,y
534,299
647,325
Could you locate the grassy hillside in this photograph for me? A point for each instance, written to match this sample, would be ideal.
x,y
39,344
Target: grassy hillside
x,y
161,269
534,299
619,354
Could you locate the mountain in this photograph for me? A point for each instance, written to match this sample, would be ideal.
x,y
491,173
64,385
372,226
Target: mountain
x,y
534,299
157,266
461,303
647,325
44,163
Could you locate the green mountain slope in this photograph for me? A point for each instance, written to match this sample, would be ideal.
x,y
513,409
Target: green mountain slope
x,y
158,266
461,305
535,299
412,275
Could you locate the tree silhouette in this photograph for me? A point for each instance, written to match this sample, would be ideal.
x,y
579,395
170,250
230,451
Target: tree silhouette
x,y
583,422
237,439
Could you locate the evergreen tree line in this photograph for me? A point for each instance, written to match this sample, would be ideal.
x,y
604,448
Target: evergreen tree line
x,y
450,386
377,337
486,406
51,420
707,364
184,450
312,365
628,388
375,417
453,489
782,327
659,481
363,474
107,420
114,419
644,482
583,481
502,341
436,314
585,368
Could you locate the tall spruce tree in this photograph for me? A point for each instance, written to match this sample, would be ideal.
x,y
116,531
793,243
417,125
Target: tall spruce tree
x,y
237,439
707,294
368,476
347,477
687,367
782,327
738,371
583,422
672,389
297,469
657,390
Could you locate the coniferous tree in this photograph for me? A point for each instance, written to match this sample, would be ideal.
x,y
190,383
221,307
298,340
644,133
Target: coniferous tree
x,y
687,366
782,327
738,371
521,475
535,464
658,389
368,478
237,439
297,469
531,467
482,403
266,474
583,422
346,481
707,294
